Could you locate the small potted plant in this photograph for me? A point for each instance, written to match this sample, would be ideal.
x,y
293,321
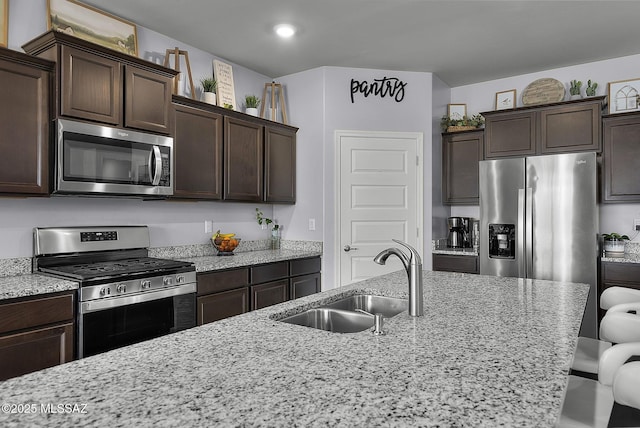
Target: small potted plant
x,y
251,103
574,89
591,88
614,244
275,229
449,124
209,85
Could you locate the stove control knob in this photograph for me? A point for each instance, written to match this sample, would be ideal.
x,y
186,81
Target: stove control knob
x,y
121,288
180,279
167,280
146,284
104,291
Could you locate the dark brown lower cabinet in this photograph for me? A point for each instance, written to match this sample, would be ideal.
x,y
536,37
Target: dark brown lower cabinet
x,y
451,263
36,333
223,294
269,294
614,274
218,306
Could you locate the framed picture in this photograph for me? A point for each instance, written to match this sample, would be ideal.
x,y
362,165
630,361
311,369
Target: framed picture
x,y
223,73
456,111
4,22
94,25
624,96
506,99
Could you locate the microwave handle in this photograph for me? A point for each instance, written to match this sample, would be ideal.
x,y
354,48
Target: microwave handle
x,y
155,167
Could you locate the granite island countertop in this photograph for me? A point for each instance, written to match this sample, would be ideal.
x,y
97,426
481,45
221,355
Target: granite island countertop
x,y
489,352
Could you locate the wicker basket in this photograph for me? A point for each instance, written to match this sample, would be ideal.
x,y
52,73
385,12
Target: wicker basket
x,y
460,128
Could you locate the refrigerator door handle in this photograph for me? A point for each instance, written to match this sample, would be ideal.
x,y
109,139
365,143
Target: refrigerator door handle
x,y
528,239
520,236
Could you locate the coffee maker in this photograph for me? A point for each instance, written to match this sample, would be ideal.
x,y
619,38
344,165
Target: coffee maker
x,y
458,232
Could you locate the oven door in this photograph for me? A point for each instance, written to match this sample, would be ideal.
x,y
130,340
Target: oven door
x,y
95,159
108,324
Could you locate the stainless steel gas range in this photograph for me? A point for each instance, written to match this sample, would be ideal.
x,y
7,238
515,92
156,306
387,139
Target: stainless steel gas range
x,y
125,296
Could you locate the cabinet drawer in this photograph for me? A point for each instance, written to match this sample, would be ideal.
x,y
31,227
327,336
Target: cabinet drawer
x,y
218,306
304,266
465,264
35,350
627,273
270,272
269,294
221,281
35,312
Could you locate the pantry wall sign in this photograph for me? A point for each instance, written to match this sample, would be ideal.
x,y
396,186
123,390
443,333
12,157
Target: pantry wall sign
x,y
386,87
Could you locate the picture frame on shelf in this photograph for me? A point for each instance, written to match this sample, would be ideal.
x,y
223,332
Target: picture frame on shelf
x,y
226,94
92,24
456,111
624,96
506,99
4,23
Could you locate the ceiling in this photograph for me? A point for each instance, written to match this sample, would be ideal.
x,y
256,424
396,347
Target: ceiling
x,y
462,42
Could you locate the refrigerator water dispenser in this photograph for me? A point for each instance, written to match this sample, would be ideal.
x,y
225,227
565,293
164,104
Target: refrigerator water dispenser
x,y
502,241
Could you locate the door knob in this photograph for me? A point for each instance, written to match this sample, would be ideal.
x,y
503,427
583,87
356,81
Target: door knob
x,y
349,248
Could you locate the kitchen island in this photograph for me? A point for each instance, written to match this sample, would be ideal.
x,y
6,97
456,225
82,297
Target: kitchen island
x,y
488,352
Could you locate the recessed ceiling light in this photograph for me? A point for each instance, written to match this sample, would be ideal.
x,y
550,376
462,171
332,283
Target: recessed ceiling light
x,y
284,30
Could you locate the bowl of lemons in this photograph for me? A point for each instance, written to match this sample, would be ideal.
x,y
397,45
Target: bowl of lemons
x,y
225,243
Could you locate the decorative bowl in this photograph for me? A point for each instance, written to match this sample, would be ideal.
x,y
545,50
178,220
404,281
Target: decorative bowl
x,y
225,246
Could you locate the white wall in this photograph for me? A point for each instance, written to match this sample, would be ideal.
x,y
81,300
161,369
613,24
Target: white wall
x,y
324,96
480,97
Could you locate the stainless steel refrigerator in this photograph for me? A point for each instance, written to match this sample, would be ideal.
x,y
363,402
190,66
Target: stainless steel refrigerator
x,y
539,219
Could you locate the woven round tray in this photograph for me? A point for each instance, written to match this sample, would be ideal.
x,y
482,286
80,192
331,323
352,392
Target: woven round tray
x,y
460,128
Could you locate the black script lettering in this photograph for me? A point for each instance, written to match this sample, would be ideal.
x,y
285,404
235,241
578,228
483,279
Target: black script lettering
x,y
385,87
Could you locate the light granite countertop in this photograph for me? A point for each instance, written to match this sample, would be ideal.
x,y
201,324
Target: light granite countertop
x,y
455,251
249,258
489,352
628,258
32,284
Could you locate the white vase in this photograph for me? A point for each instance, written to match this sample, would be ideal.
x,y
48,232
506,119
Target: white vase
x,y
614,248
575,97
209,97
251,111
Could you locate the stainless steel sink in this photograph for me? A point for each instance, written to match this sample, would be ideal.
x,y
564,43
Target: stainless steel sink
x,y
335,320
387,306
342,316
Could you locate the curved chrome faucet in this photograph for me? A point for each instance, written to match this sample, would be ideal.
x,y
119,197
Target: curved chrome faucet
x,y
413,265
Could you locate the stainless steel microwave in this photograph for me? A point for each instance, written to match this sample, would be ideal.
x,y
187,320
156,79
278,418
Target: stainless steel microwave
x,y
93,159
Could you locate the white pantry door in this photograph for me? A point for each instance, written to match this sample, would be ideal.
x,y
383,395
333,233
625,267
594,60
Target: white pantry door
x,y
379,181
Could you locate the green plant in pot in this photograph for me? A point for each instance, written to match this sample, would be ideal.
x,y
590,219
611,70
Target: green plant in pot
x,y
209,86
275,228
614,244
591,88
574,88
475,121
251,103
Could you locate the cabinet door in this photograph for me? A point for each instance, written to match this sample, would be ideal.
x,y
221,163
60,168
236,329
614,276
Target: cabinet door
x,y
243,160
306,285
197,153
570,128
621,158
24,129
218,306
460,156
614,274
147,100
34,350
510,134
280,165
90,87
450,263
269,294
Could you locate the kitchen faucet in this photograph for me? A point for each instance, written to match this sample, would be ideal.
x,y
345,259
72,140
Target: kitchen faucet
x,y
413,265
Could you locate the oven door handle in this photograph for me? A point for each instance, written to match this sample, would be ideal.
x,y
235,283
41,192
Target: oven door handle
x,y
114,302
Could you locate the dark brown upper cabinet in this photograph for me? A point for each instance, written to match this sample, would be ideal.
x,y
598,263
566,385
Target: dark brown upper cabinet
x,y
25,88
461,152
570,126
621,158
243,160
197,153
280,165
102,85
